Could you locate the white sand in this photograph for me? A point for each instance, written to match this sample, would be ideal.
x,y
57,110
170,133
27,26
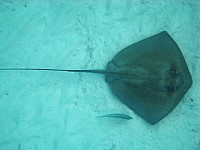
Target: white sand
x,y
57,111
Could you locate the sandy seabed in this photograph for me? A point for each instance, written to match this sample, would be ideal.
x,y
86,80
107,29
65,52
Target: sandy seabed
x,y
57,111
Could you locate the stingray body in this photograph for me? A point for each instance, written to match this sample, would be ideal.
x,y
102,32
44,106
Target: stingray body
x,y
150,76
154,77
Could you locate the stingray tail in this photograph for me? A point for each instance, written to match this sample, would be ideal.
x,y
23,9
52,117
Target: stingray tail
x,y
58,70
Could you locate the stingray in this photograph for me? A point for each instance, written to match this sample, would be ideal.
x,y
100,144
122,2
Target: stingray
x,y
150,77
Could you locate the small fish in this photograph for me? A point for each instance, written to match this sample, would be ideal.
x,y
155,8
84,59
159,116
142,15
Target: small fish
x,y
117,115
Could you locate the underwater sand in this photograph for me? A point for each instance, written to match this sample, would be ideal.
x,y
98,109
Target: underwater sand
x,y
57,111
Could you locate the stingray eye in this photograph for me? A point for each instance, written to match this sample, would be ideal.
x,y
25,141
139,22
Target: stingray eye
x,y
171,88
174,72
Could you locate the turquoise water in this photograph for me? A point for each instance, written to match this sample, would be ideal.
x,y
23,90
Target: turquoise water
x,y
57,111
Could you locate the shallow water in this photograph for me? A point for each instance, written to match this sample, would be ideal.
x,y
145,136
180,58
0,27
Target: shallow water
x,y
53,110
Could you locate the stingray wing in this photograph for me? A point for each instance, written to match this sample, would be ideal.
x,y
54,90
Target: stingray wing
x,y
151,76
